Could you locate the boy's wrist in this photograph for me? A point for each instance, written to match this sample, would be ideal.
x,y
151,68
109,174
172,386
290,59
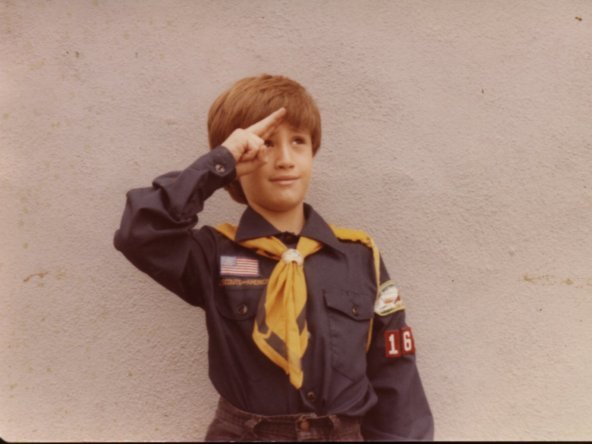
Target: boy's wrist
x,y
223,163
229,152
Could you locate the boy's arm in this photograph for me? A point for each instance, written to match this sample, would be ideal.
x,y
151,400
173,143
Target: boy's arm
x,y
156,232
402,411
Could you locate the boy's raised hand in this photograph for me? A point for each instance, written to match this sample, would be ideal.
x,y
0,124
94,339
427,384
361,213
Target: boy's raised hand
x,y
248,145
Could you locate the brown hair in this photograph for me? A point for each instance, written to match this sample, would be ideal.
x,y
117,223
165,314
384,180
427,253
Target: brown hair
x,y
252,99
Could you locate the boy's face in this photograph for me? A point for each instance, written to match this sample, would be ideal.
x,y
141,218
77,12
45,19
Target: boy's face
x,y
280,185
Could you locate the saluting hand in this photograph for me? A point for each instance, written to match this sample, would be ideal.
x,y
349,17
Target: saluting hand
x,y
248,145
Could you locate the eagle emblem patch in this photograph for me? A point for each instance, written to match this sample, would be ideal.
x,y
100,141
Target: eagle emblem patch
x,y
388,300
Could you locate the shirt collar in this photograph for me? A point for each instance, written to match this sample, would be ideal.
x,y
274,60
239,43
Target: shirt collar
x,y
253,225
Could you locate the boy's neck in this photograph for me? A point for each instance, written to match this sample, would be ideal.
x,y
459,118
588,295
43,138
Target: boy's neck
x,y
291,220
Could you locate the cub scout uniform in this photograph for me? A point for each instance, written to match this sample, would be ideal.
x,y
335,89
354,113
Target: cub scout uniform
x,y
297,323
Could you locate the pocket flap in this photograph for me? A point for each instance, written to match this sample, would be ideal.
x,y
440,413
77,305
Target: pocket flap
x,y
350,303
239,304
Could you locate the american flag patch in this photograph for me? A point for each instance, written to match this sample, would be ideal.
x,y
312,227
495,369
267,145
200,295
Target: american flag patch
x,y
238,266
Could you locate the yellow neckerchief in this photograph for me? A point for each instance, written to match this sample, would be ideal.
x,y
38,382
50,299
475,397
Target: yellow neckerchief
x,y
280,329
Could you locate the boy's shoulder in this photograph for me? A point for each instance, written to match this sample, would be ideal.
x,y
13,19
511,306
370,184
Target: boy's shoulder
x,y
354,235
349,234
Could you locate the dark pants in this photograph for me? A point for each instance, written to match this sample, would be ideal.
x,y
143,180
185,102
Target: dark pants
x,y
232,424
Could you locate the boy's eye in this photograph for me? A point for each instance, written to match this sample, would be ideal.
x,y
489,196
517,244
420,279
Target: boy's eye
x,y
299,140
268,143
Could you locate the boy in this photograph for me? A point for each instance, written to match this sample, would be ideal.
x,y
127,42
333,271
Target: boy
x,y
307,334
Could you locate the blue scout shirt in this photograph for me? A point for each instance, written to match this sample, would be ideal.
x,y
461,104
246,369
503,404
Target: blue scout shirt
x,y
207,270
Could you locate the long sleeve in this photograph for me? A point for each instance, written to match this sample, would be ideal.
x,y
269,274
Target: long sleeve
x,y
402,412
157,232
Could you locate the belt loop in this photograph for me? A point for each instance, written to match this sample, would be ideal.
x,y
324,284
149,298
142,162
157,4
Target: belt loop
x,y
335,421
253,422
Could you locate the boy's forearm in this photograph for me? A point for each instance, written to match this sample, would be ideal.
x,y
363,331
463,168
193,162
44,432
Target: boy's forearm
x,y
185,192
177,196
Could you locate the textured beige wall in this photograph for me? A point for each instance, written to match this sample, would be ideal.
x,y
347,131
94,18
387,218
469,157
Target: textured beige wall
x,y
458,133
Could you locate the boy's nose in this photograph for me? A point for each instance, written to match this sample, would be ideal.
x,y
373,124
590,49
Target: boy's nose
x,y
284,156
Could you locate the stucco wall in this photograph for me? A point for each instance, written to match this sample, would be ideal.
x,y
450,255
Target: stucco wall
x,y
457,132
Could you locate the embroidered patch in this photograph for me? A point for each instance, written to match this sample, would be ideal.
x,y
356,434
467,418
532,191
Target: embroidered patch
x,y
235,282
388,301
399,343
238,266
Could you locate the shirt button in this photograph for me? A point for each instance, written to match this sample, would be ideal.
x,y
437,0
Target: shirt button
x,y
304,425
243,309
220,168
355,310
311,396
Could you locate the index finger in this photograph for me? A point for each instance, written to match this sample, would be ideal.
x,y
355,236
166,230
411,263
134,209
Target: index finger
x,y
266,126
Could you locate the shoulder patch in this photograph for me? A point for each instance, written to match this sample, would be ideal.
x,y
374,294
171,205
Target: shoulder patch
x,y
388,300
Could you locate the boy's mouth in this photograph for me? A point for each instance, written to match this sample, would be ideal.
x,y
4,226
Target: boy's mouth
x,y
284,180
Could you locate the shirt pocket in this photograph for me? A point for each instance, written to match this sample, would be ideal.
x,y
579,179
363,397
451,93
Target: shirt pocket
x,y
349,315
231,326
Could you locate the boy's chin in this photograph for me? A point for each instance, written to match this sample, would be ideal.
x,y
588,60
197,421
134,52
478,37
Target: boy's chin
x,y
284,205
